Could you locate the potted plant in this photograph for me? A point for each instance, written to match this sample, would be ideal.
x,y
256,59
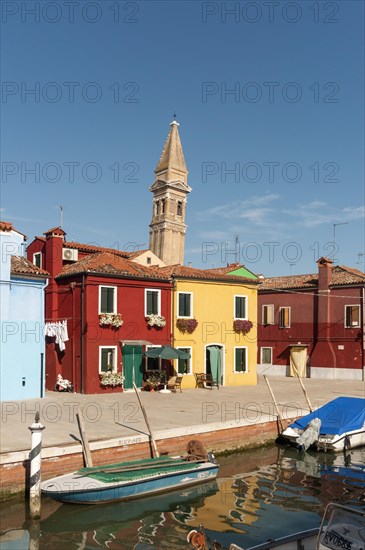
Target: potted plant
x,y
240,325
152,382
186,325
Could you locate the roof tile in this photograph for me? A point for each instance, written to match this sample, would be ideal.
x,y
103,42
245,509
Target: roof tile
x,y
22,266
111,264
341,275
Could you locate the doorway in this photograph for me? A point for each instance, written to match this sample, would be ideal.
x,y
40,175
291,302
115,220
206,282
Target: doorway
x,y
214,362
298,361
132,366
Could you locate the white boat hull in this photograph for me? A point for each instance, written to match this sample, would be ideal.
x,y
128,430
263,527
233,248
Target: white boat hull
x,y
336,443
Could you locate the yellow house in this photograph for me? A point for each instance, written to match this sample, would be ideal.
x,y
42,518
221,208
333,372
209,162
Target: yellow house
x,y
215,299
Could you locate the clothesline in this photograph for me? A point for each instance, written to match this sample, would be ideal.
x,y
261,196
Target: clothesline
x,y
57,329
57,319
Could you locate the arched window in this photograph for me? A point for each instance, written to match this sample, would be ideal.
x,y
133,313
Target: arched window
x,y
179,208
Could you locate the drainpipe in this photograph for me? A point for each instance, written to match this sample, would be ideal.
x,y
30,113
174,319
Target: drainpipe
x,y
363,333
72,288
82,333
172,311
43,355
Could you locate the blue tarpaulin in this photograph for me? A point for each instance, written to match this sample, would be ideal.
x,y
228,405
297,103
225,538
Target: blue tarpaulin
x,y
341,415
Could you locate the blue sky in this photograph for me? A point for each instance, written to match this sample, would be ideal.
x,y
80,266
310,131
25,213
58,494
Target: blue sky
x,y
269,97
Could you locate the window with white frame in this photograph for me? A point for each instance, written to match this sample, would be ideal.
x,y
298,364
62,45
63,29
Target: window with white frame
x,y
184,365
268,314
107,359
284,317
240,307
266,356
184,304
352,316
152,363
107,299
152,302
37,259
240,360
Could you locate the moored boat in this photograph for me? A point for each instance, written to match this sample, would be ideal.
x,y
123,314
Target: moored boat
x,y
129,480
345,529
340,424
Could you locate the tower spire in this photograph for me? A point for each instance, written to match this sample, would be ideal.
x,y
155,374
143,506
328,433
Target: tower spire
x,y
170,188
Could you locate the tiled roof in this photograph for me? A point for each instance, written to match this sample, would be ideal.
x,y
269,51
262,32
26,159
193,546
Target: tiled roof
x,y
341,275
82,247
187,272
93,248
136,253
6,226
289,281
22,266
56,230
111,264
225,269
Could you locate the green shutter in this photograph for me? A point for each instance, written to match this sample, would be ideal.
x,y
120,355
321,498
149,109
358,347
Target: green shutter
x,y
184,305
107,300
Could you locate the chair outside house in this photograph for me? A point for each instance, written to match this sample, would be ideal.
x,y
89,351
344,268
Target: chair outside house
x,y
203,380
174,383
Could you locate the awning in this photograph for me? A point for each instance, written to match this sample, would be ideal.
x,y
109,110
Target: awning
x,y
136,342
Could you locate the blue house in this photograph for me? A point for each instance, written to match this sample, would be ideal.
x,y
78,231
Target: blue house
x,y
21,318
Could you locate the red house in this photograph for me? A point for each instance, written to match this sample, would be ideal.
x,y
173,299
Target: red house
x,y
114,308
313,323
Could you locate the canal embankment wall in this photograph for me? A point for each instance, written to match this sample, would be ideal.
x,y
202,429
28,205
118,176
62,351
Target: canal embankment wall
x,y
223,420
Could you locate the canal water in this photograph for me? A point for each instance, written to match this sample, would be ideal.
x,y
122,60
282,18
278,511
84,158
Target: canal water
x,y
260,494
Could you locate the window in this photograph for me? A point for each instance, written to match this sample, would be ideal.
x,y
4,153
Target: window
x,y
184,365
107,359
152,363
149,260
157,208
352,316
240,360
266,356
268,315
240,307
163,206
284,317
179,208
37,259
107,299
185,303
152,302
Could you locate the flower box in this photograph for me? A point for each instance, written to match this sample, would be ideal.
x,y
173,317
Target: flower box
x,y
111,378
157,321
240,325
187,325
113,319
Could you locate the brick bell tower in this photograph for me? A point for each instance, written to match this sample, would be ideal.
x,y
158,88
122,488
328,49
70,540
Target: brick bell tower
x,y
170,189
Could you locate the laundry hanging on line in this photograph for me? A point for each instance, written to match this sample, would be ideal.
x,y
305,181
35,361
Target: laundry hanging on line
x,y
58,330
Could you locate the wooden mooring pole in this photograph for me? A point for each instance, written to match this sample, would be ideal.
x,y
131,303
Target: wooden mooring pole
x,y
280,418
35,468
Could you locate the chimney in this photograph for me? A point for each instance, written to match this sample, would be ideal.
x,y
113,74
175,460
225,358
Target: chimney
x,y
324,273
53,264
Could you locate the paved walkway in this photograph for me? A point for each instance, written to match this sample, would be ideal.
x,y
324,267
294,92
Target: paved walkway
x,y
110,416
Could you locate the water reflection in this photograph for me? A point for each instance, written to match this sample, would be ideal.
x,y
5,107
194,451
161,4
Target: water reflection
x,y
260,494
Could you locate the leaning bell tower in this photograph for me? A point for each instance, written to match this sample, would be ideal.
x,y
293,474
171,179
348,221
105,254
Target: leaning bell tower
x,y
170,189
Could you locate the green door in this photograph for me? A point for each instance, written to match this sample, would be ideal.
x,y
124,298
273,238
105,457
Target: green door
x,y
132,366
215,362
